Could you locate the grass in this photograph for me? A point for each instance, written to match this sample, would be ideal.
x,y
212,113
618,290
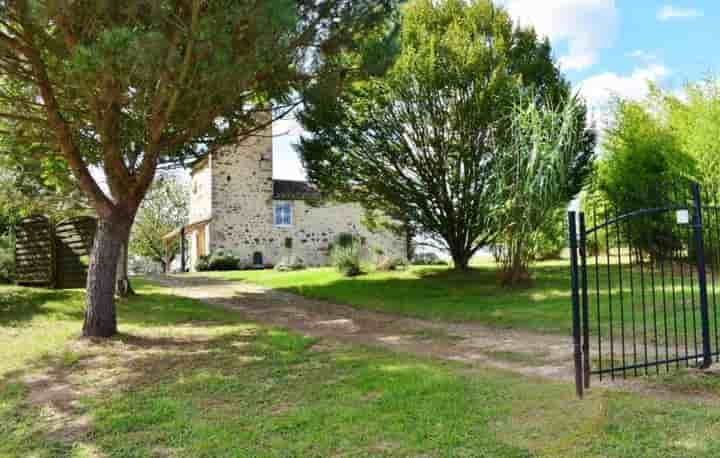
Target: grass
x,y
437,293
185,379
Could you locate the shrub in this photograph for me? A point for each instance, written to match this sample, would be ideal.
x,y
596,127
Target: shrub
x,y
217,261
428,259
7,262
346,259
345,240
202,264
387,264
551,238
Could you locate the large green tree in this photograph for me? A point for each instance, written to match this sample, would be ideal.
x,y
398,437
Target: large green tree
x,y
124,87
417,139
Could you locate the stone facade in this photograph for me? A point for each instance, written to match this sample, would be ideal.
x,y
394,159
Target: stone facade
x,y
233,203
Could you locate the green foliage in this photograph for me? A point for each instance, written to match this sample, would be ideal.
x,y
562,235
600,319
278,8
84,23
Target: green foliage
x,y
26,189
427,259
7,259
550,238
131,86
346,259
345,239
202,264
416,142
533,169
164,210
694,124
217,260
642,162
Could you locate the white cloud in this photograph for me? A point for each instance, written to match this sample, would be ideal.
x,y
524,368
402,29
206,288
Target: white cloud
x,y
586,26
600,89
669,12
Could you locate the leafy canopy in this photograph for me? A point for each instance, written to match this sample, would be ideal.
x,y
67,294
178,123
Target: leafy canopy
x,y
418,140
164,209
127,86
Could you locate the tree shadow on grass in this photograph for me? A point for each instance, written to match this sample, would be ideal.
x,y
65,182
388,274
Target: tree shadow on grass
x,y
48,405
22,304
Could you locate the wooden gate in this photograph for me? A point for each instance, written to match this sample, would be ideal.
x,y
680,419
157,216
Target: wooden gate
x,y
53,255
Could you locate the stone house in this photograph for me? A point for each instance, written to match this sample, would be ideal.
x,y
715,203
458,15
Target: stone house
x,y
237,207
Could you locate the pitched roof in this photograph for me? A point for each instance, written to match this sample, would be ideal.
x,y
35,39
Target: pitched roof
x,y
294,190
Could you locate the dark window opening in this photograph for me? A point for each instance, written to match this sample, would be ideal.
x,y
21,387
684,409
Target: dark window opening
x,y
258,258
288,242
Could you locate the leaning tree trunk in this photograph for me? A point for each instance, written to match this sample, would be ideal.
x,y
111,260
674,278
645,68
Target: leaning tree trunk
x,y
100,316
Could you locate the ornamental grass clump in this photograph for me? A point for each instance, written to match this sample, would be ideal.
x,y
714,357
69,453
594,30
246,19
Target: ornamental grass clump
x,y
346,259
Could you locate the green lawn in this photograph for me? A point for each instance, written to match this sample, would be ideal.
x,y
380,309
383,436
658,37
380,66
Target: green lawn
x,y
435,293
438,293
185,379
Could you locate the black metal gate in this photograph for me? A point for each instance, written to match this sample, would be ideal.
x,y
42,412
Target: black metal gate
x,y
644,283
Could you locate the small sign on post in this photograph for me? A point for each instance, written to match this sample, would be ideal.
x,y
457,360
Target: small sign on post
x,y
682,217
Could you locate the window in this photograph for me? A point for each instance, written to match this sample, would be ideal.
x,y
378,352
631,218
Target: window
x,y
283,214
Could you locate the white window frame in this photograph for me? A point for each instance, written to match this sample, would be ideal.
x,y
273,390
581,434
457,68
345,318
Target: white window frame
x,y
276,205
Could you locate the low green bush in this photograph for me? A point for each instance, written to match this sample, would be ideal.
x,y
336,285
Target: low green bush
x,y
345,240
7,261
346,259
217,260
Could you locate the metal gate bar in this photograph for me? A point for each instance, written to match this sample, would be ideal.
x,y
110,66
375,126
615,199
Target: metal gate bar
x,y
639,329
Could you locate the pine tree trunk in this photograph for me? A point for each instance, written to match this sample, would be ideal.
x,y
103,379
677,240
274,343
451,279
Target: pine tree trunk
x,y
100,316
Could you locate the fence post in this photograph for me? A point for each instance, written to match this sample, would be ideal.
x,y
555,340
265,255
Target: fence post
x,y
702,281
572,232
584,301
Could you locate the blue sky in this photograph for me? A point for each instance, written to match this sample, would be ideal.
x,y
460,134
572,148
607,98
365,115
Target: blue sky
x,y
605,48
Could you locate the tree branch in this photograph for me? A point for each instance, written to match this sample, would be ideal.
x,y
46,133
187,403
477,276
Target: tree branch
x,y
103,205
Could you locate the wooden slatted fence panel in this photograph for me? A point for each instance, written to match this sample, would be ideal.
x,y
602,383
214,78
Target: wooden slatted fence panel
x,y
56,256
73,244
34,258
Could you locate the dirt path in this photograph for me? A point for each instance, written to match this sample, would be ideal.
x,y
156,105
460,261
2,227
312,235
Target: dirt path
x,y
531,354
527,353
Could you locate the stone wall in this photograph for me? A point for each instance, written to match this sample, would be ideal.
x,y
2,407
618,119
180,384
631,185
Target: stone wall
x,y
314,229
240,179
